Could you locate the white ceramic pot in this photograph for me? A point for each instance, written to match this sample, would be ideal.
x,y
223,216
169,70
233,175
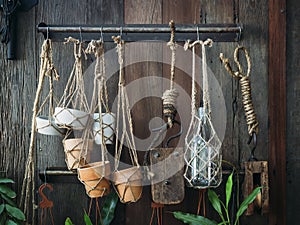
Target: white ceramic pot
x,y
107,126
73,118
45,125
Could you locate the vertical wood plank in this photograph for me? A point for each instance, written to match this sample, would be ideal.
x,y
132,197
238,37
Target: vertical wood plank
x,y
143,80
293,110
277,111
180,12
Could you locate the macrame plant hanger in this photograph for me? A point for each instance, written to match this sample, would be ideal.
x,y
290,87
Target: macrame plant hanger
x,y
95,175
128,182
253,166
72,111
28,188
202,145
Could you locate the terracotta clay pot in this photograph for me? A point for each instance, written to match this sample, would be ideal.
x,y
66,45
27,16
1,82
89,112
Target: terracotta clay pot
x,y
128,183
73,148
73,118
94,177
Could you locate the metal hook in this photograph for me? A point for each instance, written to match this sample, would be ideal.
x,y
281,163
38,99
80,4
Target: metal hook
x,y
47,33
45,176
101,33
80,34
198,37
175,135
121,31
254,138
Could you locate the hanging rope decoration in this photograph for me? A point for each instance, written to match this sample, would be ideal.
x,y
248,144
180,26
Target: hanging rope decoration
x,y
170,96
74,94
47,68
244,79
127,181
202,155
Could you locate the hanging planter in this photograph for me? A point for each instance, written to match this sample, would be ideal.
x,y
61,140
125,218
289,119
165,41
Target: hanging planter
x,y
46,125
73,118
72,111
94,176
202,155
128,183
105,127
73,152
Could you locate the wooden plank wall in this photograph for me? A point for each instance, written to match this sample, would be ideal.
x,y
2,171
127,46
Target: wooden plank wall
x,y
18,85
293,110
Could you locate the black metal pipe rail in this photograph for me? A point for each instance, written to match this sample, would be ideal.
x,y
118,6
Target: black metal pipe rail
x,y
144,32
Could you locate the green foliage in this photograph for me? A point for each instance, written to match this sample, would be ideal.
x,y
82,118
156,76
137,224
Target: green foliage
x,y
107,211
193,219
9,213
221,208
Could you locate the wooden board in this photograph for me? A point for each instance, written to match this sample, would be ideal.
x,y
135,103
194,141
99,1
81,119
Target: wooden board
x,y
167,166
293,111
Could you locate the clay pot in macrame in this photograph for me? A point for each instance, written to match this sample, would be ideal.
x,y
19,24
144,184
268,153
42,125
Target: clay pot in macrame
x,y
45,125
94,177
73,118
128,183
107,126
73,148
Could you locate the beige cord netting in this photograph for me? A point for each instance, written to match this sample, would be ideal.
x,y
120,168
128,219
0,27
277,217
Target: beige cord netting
x,y
72,110
202,145
28,188
96,184
127,181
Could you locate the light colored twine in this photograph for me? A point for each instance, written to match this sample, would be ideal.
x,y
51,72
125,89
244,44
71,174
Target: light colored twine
x,y
123,114
28,187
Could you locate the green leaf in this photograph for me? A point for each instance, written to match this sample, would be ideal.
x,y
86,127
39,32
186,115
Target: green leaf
x,y
246,202
7,191
108,208
14,212
87,219
215,201
228,189
10,222
68,221
8,200
192,219
6,181
2,208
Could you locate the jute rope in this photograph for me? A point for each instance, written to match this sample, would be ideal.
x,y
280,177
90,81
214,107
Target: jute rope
x,y
28,187
123,113
245,87
170,96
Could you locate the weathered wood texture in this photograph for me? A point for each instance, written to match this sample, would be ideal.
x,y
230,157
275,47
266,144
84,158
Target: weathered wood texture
x,y
277,113
146,83
293,110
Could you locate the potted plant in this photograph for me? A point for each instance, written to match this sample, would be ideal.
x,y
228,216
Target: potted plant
x,y
221,208
10,214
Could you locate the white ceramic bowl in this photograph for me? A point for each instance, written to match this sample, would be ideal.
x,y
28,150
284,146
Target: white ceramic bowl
x,y
73,118
45,125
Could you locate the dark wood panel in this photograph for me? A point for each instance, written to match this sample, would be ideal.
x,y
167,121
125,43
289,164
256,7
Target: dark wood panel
x,y
143,80
293,110
277,111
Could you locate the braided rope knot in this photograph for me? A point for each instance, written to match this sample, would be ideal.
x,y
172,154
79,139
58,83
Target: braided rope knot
x,y
169,105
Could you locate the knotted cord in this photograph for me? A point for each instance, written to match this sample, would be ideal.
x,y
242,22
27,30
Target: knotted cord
x,y
123,113
28,187
170,96
245,87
